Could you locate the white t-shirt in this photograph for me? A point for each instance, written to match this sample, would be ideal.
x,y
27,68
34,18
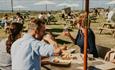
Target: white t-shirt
x,y
110,14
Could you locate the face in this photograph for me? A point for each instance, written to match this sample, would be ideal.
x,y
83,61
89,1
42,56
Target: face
x,y
40,33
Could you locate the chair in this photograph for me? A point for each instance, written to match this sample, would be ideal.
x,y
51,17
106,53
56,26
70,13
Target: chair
x,y
110,56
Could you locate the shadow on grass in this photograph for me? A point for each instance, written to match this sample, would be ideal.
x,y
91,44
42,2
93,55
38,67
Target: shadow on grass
x,y
60,41
56,30
103,33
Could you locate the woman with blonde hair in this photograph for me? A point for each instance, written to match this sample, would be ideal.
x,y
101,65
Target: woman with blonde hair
x,y
79,40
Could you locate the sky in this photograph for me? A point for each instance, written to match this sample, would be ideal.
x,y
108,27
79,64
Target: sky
x,y
29,4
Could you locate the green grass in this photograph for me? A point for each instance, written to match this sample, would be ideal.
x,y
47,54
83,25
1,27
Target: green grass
x,y
105,39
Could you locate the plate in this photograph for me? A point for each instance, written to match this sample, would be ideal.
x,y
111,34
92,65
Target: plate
x,y
60,64
63,63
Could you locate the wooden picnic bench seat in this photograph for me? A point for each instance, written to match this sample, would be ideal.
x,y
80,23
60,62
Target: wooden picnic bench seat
x,y
109,29
108,25
71,22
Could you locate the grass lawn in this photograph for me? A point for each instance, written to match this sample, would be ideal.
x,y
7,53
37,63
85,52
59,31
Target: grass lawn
x,y
105,39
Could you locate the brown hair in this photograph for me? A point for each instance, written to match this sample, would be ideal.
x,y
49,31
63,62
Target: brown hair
x,y
36,24
15,30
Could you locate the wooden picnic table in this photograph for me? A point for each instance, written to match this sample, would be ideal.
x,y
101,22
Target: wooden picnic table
x,y
77,64
71,22
108,27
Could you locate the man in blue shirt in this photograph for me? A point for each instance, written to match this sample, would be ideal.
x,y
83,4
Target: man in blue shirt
x,y
26,52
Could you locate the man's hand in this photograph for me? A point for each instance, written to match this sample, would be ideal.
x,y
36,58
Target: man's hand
x,y
48,38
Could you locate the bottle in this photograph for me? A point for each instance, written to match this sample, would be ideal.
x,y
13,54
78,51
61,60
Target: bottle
x,y
65,30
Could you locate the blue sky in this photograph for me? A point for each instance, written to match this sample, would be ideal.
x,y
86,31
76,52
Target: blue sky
x,y
29,4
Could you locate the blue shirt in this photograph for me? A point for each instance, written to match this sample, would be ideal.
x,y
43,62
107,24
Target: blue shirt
x,y
26,52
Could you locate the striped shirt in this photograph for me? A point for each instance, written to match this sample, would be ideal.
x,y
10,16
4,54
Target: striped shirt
x,y
26,53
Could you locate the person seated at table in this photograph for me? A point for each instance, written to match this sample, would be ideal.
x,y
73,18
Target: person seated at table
x,y
79,40
18,18
5,22
5,45
40,16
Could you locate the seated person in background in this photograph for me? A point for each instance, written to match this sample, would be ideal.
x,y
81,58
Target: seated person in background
x,y
5,22
18,18
79,40
5,45
40,16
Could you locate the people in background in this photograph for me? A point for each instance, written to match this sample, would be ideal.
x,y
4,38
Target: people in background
x,y
18,18
5,21
40,16
110,14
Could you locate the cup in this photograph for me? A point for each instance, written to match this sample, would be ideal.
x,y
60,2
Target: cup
x,y
90,57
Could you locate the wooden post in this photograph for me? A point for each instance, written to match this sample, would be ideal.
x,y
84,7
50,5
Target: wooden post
x,y
46,8
12,5
86,34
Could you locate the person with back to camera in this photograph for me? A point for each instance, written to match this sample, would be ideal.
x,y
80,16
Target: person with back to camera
x,y
5,45
26,52
79,40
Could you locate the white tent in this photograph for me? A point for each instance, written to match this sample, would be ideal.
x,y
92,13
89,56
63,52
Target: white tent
x,y
72,5
68,5
111,2
19,7
62,4
45,2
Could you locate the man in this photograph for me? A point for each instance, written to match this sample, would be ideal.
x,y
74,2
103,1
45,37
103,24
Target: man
x,y
26,52
110,14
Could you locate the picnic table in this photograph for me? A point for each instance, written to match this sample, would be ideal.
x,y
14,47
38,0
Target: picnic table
x,y
108,27
71,22
77,64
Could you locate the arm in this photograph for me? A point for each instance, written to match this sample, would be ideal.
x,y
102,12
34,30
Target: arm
x,y
70,36
42,48
46,50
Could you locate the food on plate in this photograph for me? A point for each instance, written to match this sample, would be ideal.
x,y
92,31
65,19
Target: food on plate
x,y
56,60
66,57
65,61
64,47
57,51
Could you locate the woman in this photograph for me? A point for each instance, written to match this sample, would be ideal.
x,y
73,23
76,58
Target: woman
x,y
79,40
5,45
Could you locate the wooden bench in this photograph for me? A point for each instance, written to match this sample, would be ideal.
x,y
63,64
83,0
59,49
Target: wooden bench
x,y
71,22
108,25
109,29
